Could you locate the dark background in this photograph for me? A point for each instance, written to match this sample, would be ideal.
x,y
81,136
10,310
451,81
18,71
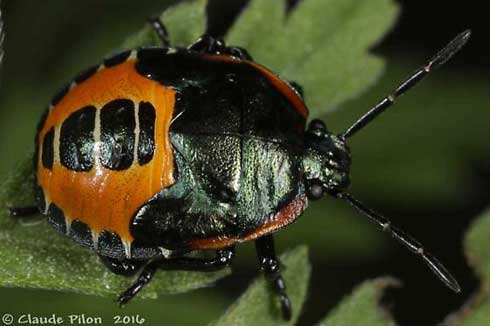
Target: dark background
x,y
49,41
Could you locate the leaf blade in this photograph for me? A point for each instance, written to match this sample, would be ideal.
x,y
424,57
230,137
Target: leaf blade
x,y
185,23
361,307
476,312
259,306
328,53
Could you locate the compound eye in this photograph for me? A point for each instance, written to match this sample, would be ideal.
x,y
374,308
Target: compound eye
x,y
317,125
315,189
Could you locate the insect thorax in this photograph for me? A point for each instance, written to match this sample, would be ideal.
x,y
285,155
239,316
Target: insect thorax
x,y
227,186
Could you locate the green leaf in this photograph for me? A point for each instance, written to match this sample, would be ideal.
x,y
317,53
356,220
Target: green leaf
x,y
323,44
361,308
35,255
185,23
477,311
259,306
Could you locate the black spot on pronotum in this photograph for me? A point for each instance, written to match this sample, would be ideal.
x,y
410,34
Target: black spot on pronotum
x,y
84,75
117,59
117,134
48,149
146,144
77,140
56,218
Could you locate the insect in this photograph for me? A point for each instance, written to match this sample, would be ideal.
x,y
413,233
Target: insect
x,y
159,152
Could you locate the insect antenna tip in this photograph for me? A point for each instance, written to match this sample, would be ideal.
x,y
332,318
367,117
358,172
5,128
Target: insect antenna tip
x,y
450,49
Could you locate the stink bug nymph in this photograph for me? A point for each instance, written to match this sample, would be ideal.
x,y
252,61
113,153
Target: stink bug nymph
x,y
158,152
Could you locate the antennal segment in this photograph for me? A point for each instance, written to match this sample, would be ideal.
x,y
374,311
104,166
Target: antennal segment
x,y
436,61
406,240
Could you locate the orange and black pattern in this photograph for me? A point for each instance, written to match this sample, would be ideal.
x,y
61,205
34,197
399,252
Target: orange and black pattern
x,y
104,150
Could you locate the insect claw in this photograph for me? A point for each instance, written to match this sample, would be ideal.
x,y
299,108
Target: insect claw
x,y
286,307
122,299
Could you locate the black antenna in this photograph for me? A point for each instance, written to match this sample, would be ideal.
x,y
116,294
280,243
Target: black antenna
x,y
406,240
436,61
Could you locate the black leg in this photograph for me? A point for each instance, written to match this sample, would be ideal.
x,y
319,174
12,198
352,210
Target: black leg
x,y
23,211
406,240
269,264
126,267
223,258
161,31
436,61
143,278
